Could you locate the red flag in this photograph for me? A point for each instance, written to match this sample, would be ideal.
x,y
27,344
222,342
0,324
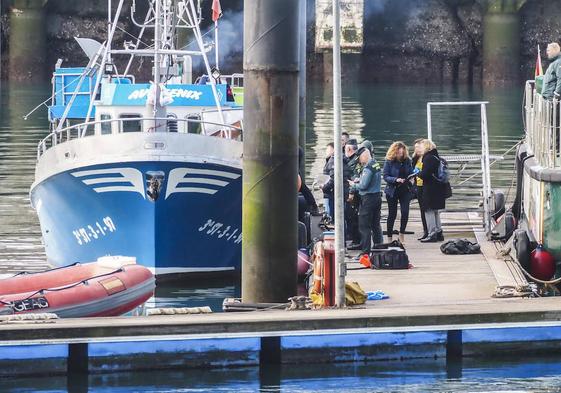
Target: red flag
x,y
216,10
539,69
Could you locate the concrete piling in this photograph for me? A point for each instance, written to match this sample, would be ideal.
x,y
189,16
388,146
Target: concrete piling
x,y
270,152
27,43
501,41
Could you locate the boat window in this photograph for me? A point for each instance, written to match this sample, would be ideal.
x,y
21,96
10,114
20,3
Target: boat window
x,y
172,124
105,126
130,125
194,127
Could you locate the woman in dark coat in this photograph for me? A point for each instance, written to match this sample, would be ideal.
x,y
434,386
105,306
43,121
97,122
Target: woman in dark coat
x,y
433,192
397,169
417,162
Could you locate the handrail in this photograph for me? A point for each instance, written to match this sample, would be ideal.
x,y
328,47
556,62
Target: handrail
x,y
53,137
542,127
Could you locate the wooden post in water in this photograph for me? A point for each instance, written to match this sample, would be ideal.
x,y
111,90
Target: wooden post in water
x,y
27,41
270,151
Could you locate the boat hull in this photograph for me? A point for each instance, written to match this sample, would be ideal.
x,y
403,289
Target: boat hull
x,y
188,222
541,201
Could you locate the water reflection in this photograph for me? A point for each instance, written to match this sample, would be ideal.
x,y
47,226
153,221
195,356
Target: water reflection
x,y
421,375
192,293
386,113
20,235
322,124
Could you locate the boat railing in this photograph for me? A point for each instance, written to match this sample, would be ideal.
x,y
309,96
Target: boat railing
x,y
234,80
542,127
169,124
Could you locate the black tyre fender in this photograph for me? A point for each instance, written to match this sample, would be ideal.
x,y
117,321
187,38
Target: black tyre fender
x,y
522,247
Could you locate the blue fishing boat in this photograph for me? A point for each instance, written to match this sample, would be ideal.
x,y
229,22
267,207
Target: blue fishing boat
x,y
150,169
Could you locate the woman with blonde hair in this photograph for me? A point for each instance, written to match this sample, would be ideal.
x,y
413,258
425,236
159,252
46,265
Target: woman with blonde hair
x,y
433,192
417,162
397,170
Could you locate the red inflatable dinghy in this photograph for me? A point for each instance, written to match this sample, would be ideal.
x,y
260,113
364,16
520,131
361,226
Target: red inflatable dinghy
x,y
109,287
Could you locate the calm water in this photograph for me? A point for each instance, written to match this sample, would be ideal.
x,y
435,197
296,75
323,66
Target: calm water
x,y
407,376
379,113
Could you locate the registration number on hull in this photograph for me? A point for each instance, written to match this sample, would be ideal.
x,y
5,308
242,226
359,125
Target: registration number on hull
x,y
35,303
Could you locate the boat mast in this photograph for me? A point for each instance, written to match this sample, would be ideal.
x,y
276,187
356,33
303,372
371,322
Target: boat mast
x,y
158,111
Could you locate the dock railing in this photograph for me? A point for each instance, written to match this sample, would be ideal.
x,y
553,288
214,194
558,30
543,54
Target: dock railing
x,y
541,123
484,158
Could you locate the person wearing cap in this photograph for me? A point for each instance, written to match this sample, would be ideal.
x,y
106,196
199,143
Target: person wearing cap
x,y
369,187
352,204
367,144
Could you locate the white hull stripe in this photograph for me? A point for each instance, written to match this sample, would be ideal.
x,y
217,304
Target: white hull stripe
x,y
181,176
203,180
101,180
131,176
196,190
211,172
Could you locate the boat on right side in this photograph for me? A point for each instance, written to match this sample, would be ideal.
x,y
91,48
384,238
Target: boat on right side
x,y
538,166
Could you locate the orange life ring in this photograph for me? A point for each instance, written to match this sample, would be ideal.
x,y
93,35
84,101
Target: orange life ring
x,y
318,258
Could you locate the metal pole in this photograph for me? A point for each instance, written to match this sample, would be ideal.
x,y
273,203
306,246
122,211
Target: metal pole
x,y
486,168
109,5
270,159
102,65
429,122
302,86
339,203
192,15
216,44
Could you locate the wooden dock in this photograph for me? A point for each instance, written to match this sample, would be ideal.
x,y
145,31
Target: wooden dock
x,y
435,278
441,307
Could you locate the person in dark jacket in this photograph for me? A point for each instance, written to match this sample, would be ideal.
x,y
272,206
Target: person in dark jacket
x,y
329,186
417,162
369,187
433,192
397,169
352,204
328,197
552,79
310,203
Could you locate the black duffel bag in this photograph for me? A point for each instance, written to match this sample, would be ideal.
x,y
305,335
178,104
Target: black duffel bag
x,y
389,256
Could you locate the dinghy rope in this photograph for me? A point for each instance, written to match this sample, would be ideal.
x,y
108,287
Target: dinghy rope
x,y
83,282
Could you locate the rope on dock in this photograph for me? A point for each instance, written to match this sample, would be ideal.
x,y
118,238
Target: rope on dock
x,y
178,311
28,318
505,253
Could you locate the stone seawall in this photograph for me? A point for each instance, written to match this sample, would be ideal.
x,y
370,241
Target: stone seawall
x,y
413,41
